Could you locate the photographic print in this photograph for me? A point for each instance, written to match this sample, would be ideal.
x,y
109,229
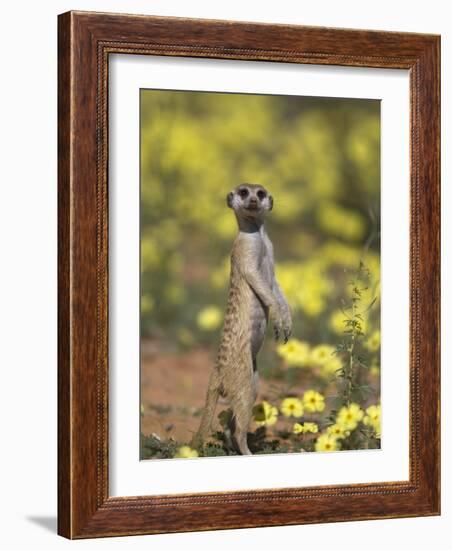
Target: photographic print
x,y
260,274
222,217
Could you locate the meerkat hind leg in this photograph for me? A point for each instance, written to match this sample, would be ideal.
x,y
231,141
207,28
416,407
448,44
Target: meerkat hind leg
x,y
242,421
242,409
205,427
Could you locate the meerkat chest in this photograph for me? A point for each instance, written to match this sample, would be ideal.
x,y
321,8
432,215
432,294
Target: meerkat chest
x,y
267,262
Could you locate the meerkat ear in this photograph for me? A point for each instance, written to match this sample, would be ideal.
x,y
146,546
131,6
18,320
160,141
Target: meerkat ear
x,y
229,199
270,199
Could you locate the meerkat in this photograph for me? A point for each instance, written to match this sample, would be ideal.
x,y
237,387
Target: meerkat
x,y
254,297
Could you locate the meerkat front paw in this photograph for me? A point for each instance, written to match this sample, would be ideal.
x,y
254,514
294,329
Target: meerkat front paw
x,y
287,327
278,325
287,331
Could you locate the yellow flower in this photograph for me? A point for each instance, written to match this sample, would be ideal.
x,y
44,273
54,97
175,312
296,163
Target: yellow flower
x,y
186,452
265,414
340,221
311,304
291,406
313,401
348,417
337,431
337,321
209,318
307,427
298,428
322,354
311,296
326,442
332,366
373,418
310,427
373,342
335,252
374,370
295,353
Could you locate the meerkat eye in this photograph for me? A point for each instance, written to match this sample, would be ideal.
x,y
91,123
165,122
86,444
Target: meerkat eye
x,y
261,195
243,193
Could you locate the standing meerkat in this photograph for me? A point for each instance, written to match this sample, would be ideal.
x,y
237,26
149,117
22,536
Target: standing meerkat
x,y
254,296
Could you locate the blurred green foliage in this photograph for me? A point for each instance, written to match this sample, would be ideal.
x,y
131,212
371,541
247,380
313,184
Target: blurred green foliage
x,y
320,159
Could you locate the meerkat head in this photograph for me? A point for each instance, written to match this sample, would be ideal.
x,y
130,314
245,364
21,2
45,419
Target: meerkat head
x,y
250,200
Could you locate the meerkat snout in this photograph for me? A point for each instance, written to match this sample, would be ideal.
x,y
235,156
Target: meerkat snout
x,y
250,199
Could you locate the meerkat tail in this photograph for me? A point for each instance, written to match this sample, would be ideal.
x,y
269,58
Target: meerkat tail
x,y
205,426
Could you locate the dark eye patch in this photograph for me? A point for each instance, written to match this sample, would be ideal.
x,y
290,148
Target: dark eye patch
x,y
261,195
243,193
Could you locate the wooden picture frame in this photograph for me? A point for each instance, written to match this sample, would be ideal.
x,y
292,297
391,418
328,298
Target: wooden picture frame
x,y
85,42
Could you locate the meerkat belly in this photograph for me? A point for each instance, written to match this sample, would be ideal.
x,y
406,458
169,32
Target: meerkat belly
x,y
258,315
246,318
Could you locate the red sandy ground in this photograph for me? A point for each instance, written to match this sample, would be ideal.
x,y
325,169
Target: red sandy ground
x,y
180,381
